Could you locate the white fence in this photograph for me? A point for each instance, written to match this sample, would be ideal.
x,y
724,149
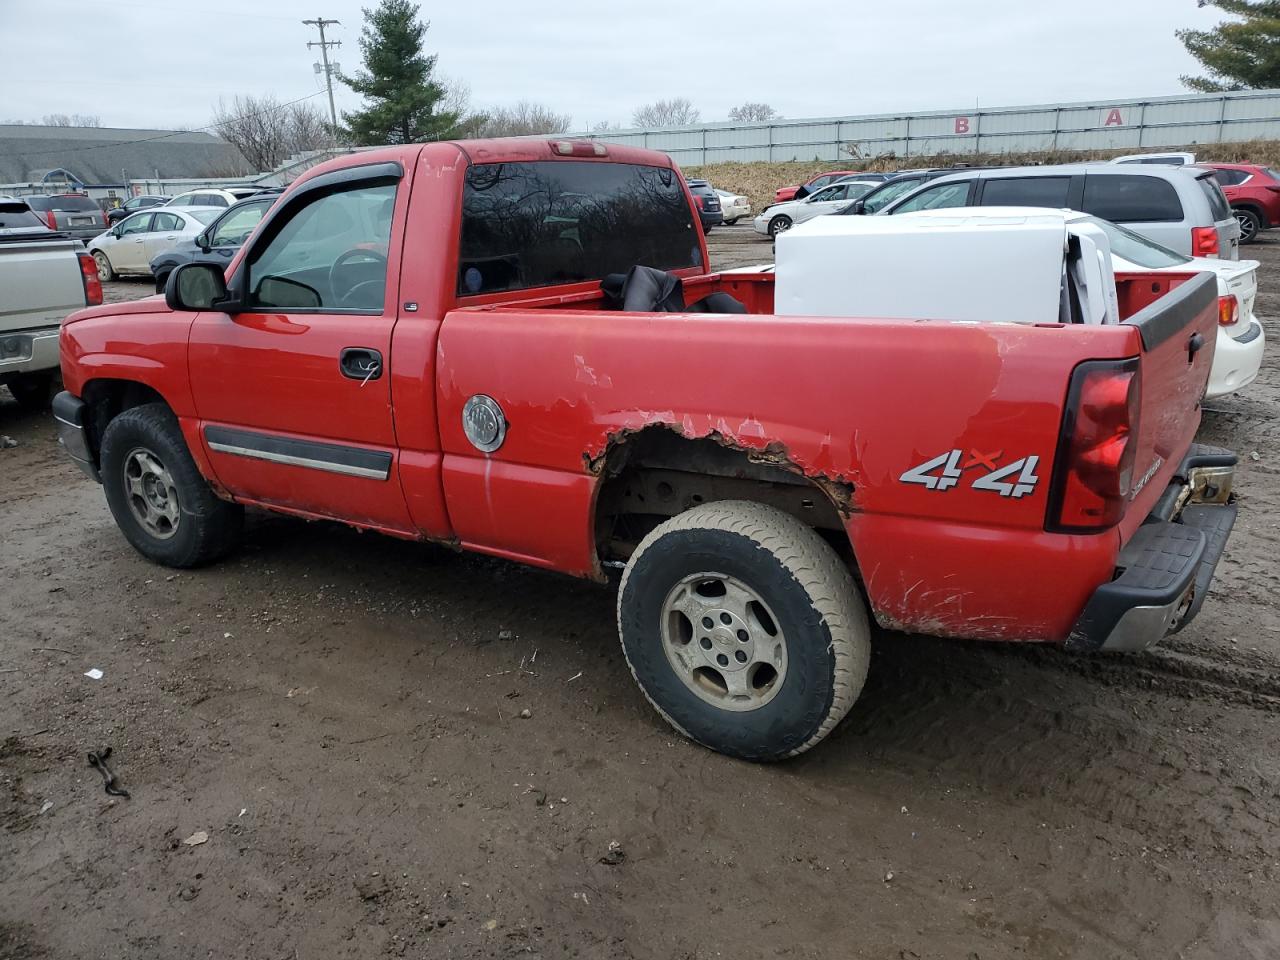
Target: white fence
x,y
1133,125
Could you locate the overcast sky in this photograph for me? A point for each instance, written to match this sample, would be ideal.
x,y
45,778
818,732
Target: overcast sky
x,y
139,63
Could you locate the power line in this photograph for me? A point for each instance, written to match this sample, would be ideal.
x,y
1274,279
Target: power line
x,y
324,45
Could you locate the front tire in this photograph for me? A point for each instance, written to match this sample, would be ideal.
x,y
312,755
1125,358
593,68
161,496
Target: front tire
x,y
162,279
105,271
744,630
33,391
779,224
1250,224
159,500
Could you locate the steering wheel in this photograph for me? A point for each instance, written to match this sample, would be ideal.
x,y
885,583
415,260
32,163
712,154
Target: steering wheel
x,y
344,259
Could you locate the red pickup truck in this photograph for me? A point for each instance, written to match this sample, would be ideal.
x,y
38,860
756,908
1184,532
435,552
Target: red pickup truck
x,y
448,342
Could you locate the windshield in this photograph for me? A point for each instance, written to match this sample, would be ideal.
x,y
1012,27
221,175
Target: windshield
x,y
204,216
884,195
1135,248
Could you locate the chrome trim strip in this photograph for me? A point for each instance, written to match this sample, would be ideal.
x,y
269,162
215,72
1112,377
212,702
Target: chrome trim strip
x,y
292,461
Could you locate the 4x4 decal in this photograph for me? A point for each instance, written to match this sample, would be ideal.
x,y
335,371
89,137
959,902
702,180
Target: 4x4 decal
x,y
945,471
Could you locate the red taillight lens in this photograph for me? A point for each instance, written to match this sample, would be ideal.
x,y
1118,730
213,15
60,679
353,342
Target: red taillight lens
x,y
700,201
1204,241
52,219
89,277
1094,468
1228,310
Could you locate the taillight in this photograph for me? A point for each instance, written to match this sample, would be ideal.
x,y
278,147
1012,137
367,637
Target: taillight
x,y
52,217
1228,310
89,277
698,199
1204,241
1093,472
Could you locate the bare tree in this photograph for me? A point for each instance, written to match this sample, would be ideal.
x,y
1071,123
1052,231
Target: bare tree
x,y
268,132
750,112
71,120
523,120
605,126
676,112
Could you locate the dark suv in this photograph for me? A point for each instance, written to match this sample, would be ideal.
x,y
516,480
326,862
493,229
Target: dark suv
x,y
708,202
72,213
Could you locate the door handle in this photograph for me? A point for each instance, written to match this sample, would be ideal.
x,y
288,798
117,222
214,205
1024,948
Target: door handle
x,y
361,363
1193,346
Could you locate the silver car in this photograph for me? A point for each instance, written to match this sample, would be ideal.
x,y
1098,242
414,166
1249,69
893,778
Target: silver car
x,y
131,245
1180,207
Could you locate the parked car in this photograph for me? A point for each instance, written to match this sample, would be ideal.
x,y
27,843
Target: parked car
x,y
733,206
566,406
898,185
73,213
1181,208
218,242
1240,340
133,205
819,180
43,277
211,197
1173,159
708,203
131,245
1253,192
782,216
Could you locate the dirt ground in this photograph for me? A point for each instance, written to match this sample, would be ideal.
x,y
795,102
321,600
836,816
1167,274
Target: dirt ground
x,y
341,715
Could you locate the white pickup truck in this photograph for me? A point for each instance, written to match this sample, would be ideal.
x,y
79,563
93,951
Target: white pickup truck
x,y
43,277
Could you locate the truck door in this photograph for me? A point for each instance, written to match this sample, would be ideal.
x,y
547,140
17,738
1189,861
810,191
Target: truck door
x,y
291,386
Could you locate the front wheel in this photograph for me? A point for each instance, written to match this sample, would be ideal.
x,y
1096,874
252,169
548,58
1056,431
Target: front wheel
x,y
744,629
779,224
162,279
159,500
1250,224
105,270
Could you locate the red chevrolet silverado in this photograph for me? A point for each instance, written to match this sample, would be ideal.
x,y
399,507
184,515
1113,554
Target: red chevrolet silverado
x,y
517,347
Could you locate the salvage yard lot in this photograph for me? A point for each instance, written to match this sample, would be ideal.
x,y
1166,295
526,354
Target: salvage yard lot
x,y
342,714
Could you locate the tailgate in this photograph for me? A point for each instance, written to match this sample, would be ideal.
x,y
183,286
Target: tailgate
x,y
39,282
1178,334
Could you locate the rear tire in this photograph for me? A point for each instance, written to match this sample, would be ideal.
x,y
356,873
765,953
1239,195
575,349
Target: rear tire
x,y
779,224
730,223
1250,224
106,272
744,630
159,500
33,391
162,279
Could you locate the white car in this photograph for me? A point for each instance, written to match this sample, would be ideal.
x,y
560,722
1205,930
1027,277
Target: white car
x,y
213,197
1240,340
131,245
734,206
1175,159
783,216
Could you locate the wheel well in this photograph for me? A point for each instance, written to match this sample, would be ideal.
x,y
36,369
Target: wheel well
x,y
657,473
1253,208
107,399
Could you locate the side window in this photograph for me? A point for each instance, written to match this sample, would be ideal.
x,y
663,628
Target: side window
x,y
235,227
891,191
329,254
1026,192
180,202
1124,198
210,200
1230,178
937,197
138,223
167,221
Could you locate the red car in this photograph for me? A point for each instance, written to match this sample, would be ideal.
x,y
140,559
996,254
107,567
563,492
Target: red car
x,y
1254,194
468,352
816,182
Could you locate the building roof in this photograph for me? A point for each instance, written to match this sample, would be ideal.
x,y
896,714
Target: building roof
x,y
98,155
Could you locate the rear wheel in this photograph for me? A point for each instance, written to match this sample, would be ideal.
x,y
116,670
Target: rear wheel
x,y
779,224
161,280
1250,224
33,391
105,270
730,223
744,629
157,496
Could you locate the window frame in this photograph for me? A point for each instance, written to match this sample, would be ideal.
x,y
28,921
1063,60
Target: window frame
x,y
182,223
1075,190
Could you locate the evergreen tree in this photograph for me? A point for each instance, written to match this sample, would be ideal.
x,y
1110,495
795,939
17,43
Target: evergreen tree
x,y
404,103
1239,54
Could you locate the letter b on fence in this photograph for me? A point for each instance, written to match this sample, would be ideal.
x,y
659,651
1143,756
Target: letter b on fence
x,y
962,124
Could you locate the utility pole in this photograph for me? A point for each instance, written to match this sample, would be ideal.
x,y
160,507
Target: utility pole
x,y
324,45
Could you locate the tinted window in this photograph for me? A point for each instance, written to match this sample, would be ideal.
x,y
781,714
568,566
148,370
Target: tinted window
x,y
1137,249
331,253
182,201
937,197
77,203
1218,205
16,215
1026,192
167,221
1230,178
535,224
234,228
882,196
1131,199
210,200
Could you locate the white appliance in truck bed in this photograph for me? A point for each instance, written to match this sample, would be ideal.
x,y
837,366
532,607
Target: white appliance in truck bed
x,y
1012,265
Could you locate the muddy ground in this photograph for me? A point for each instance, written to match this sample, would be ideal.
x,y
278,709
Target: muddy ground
x,y
340,714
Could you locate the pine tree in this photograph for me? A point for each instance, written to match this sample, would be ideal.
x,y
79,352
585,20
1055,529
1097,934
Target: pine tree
x,y
404,103
1238,54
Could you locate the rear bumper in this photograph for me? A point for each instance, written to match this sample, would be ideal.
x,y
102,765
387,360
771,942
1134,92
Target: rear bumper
x,y
712,218
1164,571
28,351
69,413
1236,360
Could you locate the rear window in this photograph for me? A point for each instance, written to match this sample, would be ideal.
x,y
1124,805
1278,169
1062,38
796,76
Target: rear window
x,y
1026,192
536,224
1230,178
18,216
61,203
1217,199
1123,198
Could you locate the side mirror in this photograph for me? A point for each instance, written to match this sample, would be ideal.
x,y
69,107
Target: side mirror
x,y
202,241
858,208
196,286
115,230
